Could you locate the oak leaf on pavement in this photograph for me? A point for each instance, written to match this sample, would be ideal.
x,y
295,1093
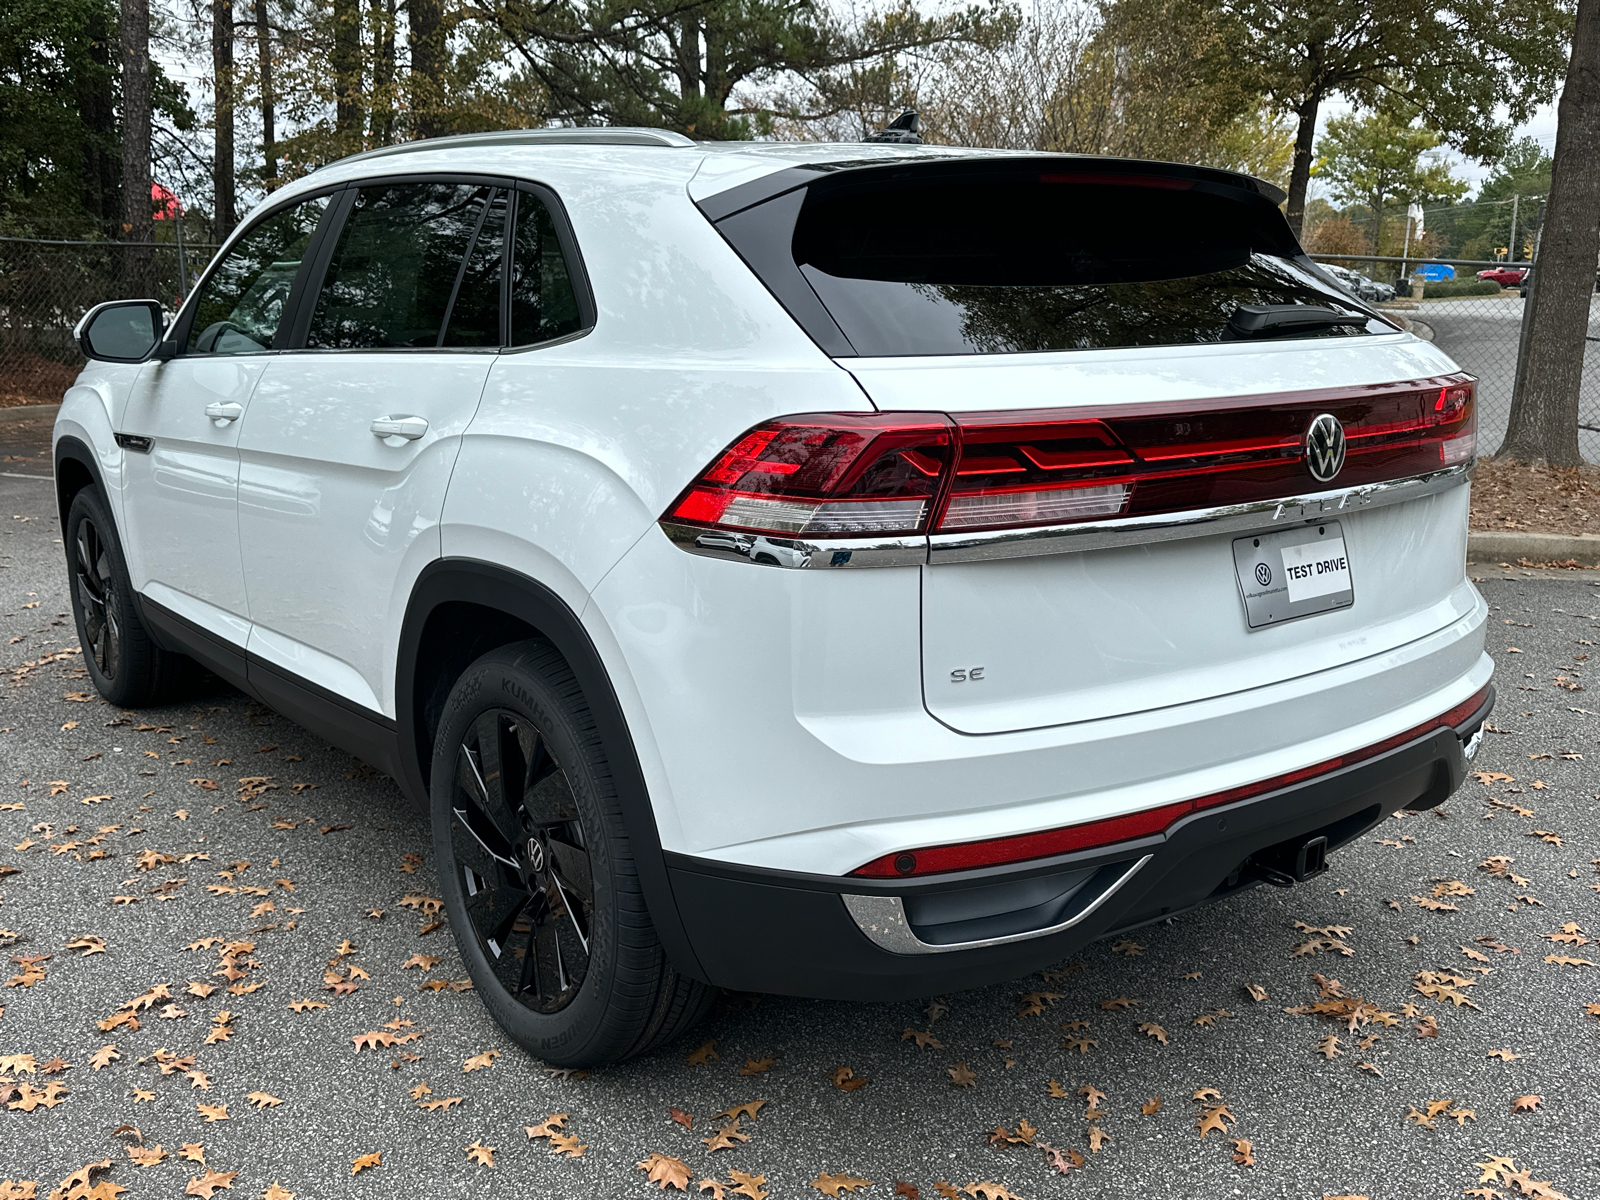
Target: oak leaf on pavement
x,y
838,1185
665,1171
208,1183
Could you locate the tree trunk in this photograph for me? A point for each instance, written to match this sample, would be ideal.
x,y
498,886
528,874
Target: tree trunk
x,y
1300,172
222,182
383,97
1544,405
427,65
269,99
139,261
346,63
689,56
97,109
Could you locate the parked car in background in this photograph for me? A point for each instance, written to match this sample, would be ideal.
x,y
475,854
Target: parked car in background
x,y
1504,276
1358,285
1381,291
576,470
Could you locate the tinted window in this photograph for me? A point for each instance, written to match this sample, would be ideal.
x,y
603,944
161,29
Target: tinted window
x,y
1012,259
475,315
395,266
239,305
544,303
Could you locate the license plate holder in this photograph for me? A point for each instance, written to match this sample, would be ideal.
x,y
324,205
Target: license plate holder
x,y
1291,573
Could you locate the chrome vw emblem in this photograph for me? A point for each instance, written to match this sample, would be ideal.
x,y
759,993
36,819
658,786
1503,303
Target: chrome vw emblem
x,y
535,855
1325,447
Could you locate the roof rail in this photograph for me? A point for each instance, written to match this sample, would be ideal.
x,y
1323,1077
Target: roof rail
x,y
578,135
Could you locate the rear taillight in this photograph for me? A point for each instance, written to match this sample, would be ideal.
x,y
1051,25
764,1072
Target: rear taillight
x,y
847,475
825,475
1091,835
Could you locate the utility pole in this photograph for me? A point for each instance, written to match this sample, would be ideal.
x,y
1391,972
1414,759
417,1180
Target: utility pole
x,y
1511,246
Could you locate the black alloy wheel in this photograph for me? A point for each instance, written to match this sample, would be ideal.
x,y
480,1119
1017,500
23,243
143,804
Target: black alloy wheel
x,y
537,870
124,662
519,846
94,582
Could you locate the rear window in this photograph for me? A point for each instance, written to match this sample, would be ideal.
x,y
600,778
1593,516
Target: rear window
x,y
1011,258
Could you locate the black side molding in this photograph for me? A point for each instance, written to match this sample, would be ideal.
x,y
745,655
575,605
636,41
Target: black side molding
x,y
368,735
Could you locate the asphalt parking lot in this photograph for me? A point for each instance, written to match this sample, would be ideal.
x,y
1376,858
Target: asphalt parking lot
x,y
139,850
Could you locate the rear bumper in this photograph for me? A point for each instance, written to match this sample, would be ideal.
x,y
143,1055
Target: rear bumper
x,y
761,930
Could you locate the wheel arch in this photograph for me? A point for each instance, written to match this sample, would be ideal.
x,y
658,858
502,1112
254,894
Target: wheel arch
x,y
76,469
460,609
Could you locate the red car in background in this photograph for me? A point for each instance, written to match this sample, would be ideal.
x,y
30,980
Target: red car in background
x,y
1504,276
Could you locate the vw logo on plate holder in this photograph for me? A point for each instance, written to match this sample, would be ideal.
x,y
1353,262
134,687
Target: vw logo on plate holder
x,y
1263,574
1325,447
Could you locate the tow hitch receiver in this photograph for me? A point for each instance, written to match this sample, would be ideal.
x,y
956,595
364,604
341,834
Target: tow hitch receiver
x,y
1287,864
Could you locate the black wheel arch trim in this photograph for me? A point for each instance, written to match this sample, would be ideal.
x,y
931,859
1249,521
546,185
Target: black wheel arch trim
x,y
73,449
487,585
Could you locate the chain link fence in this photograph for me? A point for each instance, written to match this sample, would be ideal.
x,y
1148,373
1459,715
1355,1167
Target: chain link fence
x,y
45,286
1483,333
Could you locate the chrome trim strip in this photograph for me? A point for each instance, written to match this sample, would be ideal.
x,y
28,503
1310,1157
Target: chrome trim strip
x,y
1201,522
883,920
908,551
799,553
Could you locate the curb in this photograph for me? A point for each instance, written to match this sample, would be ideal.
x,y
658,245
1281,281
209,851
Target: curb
x,y
1486,546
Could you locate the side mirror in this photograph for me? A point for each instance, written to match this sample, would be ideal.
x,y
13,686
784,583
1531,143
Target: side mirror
x,y
121,331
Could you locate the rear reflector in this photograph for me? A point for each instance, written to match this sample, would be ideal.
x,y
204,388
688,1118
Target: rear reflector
x,y
826,475
1093,834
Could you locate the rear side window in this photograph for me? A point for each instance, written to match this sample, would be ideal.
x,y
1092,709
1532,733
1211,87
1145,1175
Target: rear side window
x,y
1017,257
242,301
396,266
544,300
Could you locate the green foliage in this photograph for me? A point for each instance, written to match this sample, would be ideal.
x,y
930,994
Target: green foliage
x,y
472,92
678,64
1382,158
58,172
1459,287
1474,68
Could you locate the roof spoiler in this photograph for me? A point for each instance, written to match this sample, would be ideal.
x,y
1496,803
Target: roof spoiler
x,y
1091,168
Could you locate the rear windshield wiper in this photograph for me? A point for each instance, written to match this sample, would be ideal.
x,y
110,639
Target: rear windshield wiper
x,y
1269,320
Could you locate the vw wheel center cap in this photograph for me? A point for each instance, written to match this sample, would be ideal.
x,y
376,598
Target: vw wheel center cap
x,y
1325,447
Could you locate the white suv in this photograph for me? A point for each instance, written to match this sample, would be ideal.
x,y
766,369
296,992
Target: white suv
x,y
850,571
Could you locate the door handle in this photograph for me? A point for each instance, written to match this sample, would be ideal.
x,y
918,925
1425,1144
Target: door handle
x,y
224,411
409,428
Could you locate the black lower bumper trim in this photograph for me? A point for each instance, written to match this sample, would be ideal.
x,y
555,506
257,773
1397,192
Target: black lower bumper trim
x,y
791,934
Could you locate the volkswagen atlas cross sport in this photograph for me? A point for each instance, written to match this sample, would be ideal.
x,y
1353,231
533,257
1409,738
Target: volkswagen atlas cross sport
x,y
855,571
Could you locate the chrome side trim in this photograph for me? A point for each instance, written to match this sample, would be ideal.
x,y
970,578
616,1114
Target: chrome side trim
x,y
799,553
1201,522
883,920
907,551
